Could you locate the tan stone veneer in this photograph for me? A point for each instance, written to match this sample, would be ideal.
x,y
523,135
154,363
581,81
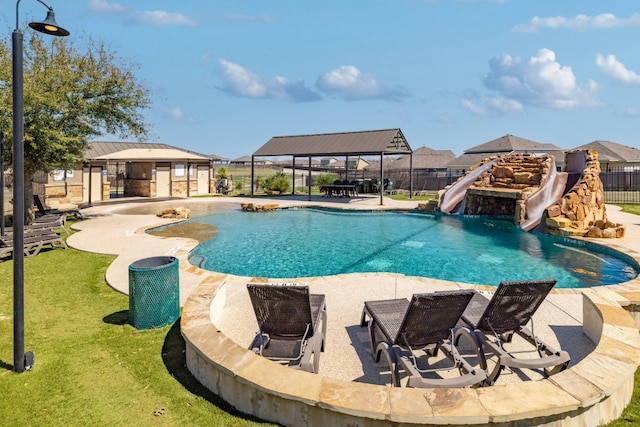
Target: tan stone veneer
x,y
517,185
592,392
581,211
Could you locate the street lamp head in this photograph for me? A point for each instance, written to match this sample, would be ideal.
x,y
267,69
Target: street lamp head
x,y
49,26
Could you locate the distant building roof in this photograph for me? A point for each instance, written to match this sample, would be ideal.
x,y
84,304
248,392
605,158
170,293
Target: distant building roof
x,y
242,159
465,161
99,150
424,158
387,141
216,157
504,145
512,143
612,152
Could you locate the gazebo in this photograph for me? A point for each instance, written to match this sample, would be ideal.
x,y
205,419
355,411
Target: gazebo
x,y
363,143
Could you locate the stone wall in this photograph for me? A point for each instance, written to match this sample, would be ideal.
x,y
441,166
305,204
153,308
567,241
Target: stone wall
x,y
516,171
138,187
62,193
503,191
581,211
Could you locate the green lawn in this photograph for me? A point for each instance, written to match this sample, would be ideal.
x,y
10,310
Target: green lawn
x,y
93,368
632,209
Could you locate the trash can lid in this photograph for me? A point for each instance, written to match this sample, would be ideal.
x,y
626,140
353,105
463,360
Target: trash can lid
x,y
152,262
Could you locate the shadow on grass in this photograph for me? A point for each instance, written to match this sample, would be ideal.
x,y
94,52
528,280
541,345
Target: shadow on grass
x,y
117,318
5,365
174,358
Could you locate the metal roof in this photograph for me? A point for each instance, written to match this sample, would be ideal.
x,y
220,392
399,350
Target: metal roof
x,y
467,160
372,142
425,158
132,151
613,152
510,143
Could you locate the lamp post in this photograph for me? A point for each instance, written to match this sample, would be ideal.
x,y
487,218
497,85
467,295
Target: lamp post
x,y
22,361
1,183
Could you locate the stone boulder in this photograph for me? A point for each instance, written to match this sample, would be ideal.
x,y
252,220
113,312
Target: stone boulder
x,y
179,213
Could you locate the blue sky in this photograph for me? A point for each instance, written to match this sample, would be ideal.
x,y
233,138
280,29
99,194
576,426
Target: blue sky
x,y
226,76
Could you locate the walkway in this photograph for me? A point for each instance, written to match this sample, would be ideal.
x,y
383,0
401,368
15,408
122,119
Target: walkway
x,y
347,358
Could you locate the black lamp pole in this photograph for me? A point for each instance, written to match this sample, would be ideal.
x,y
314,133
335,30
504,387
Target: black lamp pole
x,y
1,183
22,361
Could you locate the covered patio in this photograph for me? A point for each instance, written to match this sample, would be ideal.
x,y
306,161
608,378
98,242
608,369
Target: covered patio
x,y
344,144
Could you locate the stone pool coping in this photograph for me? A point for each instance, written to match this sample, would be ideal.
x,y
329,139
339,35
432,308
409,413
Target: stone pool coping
x,y
592,392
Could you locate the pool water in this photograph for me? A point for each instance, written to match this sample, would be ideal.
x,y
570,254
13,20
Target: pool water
x,y
306,242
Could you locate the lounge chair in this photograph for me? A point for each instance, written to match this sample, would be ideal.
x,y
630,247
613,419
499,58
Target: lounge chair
x,y
426,323
42,210
51,222
289,321
33,242
492,323
47,213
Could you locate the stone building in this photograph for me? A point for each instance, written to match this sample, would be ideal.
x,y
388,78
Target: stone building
x,y
128,169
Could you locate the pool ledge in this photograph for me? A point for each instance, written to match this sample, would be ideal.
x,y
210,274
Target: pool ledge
x,y
592,392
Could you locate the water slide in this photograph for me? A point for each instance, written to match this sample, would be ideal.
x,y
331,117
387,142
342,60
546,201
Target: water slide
x,y
551,190
555,186
451,200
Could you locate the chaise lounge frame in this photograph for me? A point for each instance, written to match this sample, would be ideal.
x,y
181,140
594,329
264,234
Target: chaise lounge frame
x,y
292,324
399,327
492,322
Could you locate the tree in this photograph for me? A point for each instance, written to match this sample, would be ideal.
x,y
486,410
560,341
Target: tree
x,y
71,95
279,181
325,179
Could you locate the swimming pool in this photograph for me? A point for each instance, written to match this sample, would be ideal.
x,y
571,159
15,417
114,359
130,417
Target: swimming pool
x,y
306,242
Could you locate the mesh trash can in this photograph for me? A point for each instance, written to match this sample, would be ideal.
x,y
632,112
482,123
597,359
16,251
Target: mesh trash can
x,y
154,292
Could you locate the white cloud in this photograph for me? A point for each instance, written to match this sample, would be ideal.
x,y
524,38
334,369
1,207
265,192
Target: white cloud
x,y
176,114
206,57
492,105
149,17
617,70
105,6
160,18
242,82
351,84
579,22
629,112
539,81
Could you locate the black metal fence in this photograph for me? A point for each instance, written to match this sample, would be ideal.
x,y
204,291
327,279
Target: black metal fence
x,y
621,185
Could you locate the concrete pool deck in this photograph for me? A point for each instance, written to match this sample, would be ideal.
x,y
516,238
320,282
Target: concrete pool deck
x,y
217,323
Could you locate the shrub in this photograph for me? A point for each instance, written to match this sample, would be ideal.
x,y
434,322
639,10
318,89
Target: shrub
x,y
222,173
325,179
279,181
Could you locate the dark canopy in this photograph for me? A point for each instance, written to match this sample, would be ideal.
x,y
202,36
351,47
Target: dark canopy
x,y
372,142
363,143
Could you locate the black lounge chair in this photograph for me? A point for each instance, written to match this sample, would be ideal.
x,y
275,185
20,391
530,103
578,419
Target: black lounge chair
x,y
48,213
33,242
289,321
41,209
492,323
51,222
425,323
